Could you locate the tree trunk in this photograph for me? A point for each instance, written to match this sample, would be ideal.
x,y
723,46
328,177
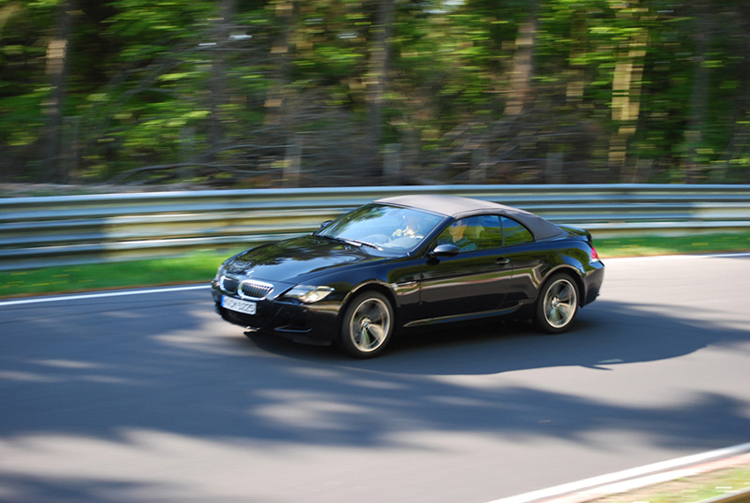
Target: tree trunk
x,y
218,85
626,91
376,80
523,65
579,43
693,136
58,50
281,56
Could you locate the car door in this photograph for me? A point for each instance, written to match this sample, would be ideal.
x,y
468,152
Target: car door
x,y
473,282
527,259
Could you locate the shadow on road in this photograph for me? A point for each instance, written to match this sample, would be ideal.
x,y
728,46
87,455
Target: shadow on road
x,y
147,371
105,373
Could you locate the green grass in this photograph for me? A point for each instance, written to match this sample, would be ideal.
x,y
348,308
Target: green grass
x,y
697,488
655,245
200,267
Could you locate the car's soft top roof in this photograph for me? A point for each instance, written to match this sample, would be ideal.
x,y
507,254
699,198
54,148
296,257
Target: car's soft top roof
x,y
459,207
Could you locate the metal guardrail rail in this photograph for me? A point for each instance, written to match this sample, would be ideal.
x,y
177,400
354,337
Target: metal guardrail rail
x,y
61,230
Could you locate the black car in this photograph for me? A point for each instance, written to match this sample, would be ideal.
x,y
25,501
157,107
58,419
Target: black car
x,y
410,261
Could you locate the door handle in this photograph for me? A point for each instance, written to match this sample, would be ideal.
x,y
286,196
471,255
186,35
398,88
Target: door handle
x,y
502,261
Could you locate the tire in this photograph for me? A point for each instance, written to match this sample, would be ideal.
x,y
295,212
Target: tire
x,y
367,326
557,305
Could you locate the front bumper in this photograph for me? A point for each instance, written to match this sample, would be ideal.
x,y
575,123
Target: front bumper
x,y
309,323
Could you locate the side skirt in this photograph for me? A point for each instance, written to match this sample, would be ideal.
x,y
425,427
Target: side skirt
x,y
462,317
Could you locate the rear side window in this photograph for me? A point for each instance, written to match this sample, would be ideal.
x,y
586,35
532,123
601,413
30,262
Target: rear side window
x,y
492,232
481,232
514,233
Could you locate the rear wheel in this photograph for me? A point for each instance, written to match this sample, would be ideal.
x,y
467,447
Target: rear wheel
x,y
367,326
557,305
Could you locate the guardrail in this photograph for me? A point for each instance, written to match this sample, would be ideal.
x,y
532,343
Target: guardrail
x,y
61,230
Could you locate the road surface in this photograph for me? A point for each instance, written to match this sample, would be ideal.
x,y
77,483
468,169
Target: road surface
x,y
152,397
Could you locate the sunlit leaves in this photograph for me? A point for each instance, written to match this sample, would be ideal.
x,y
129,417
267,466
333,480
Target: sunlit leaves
x,y
152,81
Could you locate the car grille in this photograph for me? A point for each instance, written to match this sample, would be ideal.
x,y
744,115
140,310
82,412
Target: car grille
x,y
246,289
254,289
229,284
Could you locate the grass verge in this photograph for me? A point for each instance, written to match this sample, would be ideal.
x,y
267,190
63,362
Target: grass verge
x,y
702,487
200,267
657,245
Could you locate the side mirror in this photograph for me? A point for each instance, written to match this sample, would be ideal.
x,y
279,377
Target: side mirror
x,y
445,250
326,224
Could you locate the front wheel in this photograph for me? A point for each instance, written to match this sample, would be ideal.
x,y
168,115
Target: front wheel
x,y
367,326
557,304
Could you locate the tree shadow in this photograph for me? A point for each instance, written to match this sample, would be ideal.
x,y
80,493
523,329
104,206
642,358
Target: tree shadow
x,y
23,489
606,333
170,366
160,373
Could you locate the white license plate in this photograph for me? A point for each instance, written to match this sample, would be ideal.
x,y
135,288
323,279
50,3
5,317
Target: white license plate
x,y
241,306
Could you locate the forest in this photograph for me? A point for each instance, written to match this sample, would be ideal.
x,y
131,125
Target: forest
x,y
293,93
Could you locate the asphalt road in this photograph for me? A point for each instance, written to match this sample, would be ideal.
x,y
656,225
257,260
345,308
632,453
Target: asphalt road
x,y
152,397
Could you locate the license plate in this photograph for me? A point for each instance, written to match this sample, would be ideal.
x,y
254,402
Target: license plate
x,y
241,306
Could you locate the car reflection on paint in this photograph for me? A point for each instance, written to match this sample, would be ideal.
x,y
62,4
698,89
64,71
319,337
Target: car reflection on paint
x,y
406,262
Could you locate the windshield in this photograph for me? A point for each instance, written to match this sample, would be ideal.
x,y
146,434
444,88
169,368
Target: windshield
x,y
384,227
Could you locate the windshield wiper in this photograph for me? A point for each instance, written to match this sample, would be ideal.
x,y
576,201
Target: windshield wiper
x,y
352,242
371,245
342,240
332,238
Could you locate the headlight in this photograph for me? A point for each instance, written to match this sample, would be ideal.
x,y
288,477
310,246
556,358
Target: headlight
x,y
309,294
220,270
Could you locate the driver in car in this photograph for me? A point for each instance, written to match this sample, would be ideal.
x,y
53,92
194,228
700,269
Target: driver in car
x,y
456,231
410,228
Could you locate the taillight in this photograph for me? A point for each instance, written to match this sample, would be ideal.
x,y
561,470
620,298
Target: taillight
x,y
594,255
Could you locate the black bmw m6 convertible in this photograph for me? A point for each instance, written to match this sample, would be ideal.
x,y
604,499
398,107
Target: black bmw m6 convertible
x,y
410,261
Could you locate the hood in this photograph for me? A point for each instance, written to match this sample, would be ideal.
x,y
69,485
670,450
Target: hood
x,y
292,259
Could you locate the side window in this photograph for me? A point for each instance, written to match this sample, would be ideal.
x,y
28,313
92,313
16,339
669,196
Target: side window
x,y
474,233
515,233
491,235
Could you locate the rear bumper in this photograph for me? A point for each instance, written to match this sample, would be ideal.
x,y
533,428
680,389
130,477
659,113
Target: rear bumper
x,y
593,282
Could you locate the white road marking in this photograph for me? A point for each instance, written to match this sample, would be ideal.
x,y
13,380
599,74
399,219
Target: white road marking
x,y
624,475
100,295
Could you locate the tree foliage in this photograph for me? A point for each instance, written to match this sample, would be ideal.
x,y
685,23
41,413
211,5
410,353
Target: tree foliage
x,y
325,92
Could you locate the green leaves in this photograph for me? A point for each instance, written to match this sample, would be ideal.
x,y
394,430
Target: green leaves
x,y
154,82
